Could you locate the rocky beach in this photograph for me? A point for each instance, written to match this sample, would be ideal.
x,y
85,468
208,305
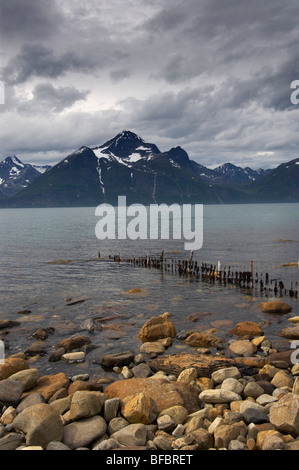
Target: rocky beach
x,y
240,392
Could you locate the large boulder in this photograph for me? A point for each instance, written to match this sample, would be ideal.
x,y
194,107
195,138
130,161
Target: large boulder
x,y
166,394
139,408
275,306
85,404
11,366
247,328
10,392
81,433
157,328
284,415
41,423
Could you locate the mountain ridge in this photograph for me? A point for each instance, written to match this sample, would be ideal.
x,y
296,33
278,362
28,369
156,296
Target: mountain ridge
x,y
127,165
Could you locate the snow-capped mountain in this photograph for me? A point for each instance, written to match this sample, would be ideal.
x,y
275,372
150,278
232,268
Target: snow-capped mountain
x,y
126,148
128,166
232,174
16,175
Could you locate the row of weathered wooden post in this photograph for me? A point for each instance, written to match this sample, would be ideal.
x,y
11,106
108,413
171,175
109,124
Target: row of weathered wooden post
x,y
207,272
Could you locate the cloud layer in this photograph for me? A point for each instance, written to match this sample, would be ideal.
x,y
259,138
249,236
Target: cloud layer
x,y
213,76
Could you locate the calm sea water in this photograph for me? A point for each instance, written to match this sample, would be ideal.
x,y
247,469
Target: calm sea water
x,y
49,256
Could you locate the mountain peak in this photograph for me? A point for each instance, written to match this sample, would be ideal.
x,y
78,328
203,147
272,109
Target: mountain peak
x,y
126,148
14,161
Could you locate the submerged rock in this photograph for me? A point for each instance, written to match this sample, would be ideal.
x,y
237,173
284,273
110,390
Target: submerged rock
x,y
277,306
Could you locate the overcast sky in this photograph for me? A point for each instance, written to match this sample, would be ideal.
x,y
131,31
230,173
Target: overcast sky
x,y
213,76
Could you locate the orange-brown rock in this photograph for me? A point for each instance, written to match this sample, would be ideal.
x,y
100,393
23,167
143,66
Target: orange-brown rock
x,y
11,366
50,384
275,306
247,328
203,340
72,343
84,385
157,328
203,363
165,394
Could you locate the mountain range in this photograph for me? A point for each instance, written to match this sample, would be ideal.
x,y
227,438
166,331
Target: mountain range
x,y
16,175
128,166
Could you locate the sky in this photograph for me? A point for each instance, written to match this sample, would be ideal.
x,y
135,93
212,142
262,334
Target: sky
x,y
211,76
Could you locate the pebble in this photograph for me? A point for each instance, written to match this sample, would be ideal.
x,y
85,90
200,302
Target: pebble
x,y
232,411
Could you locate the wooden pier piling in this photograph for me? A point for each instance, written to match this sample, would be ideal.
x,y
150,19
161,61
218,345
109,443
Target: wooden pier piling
x,y
211,273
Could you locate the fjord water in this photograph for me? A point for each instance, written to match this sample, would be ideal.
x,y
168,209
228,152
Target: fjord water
x,y
50,256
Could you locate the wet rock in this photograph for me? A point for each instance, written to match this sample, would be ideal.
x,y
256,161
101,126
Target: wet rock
x,y
42,333
290,332
41,424
247,328
156,328
275,307
118,359
152,348
78,356
8,324
91,325
57,355
203,340
69,344
36,349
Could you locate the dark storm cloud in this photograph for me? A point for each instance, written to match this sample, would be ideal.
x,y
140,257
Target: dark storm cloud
x,y
36,60
29,19
211,75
